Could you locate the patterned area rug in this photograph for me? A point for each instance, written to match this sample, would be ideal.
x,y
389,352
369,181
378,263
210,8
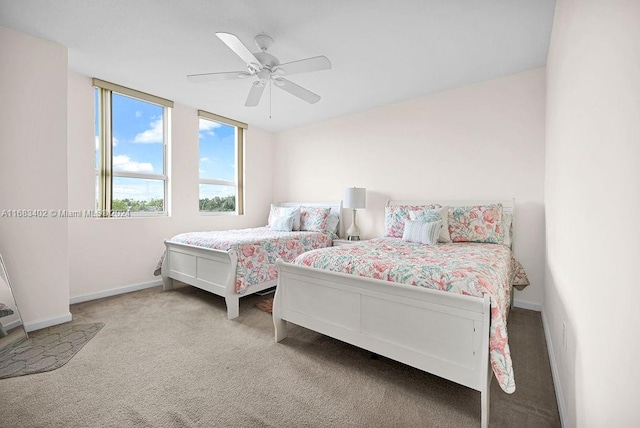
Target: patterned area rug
x,y
266,305
46,349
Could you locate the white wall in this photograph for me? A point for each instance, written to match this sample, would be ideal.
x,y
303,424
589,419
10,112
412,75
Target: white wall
x,y
33,174
484,141
591,200
112,253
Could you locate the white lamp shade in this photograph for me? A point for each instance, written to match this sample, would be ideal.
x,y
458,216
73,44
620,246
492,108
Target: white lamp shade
x,y
355,197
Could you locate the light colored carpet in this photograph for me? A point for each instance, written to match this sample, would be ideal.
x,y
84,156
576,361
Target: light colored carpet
x,y
172,359
46,349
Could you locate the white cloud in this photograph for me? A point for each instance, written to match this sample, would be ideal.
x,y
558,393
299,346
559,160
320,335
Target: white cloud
x,y
208,126
137,190
124,163
138,114
209,191
205,159
152,135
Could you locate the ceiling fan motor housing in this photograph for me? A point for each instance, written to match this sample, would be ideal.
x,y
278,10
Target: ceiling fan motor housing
x,y
268,61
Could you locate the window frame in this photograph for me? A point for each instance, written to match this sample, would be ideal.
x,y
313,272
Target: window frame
x,y
105,172
240,129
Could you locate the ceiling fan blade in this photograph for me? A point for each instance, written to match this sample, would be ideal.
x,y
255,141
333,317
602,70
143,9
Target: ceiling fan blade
x,y
317,63
297,90
240,49
211,77
254,94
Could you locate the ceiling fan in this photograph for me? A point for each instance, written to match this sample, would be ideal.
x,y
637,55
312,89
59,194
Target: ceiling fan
x,y
266,69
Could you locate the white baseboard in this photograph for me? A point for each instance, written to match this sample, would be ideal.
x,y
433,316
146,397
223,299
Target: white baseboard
x,y
13,324
47,322
554,372
527,305
114,291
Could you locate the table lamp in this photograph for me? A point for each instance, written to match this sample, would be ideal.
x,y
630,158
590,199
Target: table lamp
x,y
354,198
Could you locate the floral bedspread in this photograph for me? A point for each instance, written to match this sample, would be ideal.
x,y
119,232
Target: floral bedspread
x,y
468,268
257,248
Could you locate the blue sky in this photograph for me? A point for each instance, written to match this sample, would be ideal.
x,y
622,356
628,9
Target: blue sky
x,y
137,134
217,157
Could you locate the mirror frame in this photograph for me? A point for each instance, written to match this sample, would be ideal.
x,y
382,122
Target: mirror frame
x,y
5,276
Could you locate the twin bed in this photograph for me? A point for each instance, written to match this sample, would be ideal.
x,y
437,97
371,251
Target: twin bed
x,y
386,294
237,263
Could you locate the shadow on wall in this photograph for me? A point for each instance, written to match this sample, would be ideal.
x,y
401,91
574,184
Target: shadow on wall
x,y
529,221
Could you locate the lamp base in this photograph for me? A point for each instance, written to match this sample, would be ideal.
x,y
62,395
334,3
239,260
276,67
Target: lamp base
x,y
353,233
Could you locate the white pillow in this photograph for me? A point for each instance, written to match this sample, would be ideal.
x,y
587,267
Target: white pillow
x,y
284,224
424,232
332,223
278,211
434,214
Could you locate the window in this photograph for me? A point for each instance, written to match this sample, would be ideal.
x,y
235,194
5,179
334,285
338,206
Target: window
x,y
132,134
221,164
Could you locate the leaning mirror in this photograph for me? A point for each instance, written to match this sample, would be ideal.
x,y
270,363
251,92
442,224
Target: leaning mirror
x,y
11,326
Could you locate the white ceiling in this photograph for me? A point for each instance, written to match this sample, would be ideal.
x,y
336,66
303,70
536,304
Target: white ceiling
x,y
382,51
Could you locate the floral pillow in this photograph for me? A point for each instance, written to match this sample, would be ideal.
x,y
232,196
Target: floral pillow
x,y
481,223
507,227
437,214
395,215
314,218
278,212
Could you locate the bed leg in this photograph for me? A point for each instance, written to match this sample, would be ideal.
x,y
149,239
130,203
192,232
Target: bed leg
x,y
167,283
281,328
512,297
233,307
484,406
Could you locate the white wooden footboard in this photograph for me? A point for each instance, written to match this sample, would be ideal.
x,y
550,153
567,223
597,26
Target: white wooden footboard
x,y
445,334
208,269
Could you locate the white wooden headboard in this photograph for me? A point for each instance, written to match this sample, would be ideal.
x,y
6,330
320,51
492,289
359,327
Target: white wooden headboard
x,y
508,206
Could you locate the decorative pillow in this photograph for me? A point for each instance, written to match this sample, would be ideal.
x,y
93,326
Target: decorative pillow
x,y
481,223
395,215
424,232
314,218
278,212
284,224
437,214
332,223
507,227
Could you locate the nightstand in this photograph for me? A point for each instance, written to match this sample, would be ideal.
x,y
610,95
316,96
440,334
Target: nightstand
x,y
338,242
